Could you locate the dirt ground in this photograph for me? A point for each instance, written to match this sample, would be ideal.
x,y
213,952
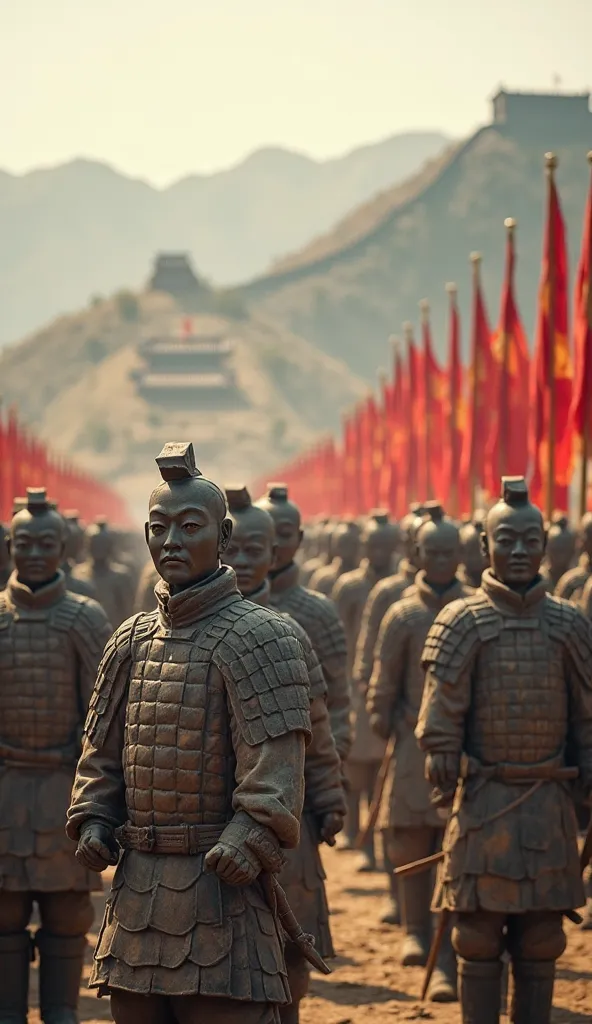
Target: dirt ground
x,y
368,986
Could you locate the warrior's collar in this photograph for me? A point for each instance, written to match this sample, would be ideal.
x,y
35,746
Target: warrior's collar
x,y
197,602
285,579
21,596
260,596
434,598
510,600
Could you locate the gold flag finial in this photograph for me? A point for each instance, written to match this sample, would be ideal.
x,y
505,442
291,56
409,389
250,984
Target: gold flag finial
x,y
590,157
475,257
510,224
551,161
408,330
424,306
452,288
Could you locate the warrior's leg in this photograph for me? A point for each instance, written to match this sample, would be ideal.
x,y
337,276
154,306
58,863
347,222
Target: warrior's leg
x,y
65,919
298,982
354,775
218,1010
478,940
392,914
368,861
133,1008
535,942
15,956
415,892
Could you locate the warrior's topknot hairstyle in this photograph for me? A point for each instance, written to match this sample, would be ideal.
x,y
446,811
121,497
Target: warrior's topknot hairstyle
x,y
238,497
514,491
176,463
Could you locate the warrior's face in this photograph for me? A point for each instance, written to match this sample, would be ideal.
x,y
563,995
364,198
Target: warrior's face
x,y
472,550
438,547
100,545
516,543
347,545
379,547
251,549
560,549
186,532
37,544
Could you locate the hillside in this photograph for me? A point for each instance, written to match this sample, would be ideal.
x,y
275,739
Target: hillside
x,y
83,228
348,290
71,382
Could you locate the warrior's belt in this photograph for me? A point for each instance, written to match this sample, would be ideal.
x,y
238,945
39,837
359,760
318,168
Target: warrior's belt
x,y
181,839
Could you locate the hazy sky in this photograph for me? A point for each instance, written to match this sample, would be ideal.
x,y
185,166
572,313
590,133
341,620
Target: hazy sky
x,y
160,88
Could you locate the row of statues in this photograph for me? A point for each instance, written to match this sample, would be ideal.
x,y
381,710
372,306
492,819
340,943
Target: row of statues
x,y
208,743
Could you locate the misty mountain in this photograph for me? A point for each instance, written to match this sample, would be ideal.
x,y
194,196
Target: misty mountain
x,y
83,228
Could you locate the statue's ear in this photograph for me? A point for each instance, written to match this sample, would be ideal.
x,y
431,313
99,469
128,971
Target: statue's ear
x,y
147,532
545,539
484,544
300,537
224,535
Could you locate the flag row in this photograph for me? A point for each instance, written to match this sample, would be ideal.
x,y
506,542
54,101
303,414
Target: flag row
x,y
25,461
450,432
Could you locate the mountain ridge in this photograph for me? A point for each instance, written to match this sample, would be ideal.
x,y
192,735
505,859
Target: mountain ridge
x,y
83,227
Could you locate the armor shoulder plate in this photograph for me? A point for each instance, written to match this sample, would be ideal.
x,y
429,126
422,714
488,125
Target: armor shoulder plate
x,y
265,671
318,686
570,627
84,619
459,629
349,581
113,676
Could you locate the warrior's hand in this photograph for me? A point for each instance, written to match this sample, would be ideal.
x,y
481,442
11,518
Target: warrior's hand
x,y
331,824
234,864
442,770
97,846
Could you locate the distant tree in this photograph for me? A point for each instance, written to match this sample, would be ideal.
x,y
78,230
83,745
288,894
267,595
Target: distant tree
x,y
95,348
95,300
127,306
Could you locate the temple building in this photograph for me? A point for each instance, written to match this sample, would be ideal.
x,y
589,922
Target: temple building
x,y
189,369
172,273
549,118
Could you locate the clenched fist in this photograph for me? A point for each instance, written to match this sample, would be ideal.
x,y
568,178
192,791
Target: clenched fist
x,y
97,846
331,824
234,865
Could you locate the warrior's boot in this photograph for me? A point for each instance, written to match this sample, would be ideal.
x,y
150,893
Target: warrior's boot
x,y
15,957
61,959
415,892
479,983
443,985
532,1000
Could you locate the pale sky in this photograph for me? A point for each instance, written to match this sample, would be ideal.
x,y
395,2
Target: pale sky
x,y
162,88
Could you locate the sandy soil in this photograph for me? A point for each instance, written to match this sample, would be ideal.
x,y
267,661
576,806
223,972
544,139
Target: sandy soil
x,y
368,986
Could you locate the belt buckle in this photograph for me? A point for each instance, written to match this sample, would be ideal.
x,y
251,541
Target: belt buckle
x,y
147,837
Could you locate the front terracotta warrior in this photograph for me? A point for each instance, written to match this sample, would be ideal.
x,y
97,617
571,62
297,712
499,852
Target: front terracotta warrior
x,y
507,707
51,643
193,763
251,553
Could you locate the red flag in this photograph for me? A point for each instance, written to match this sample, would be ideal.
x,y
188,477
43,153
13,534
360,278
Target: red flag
x,y
413,409
431,421
454,494
581,404
551,380
481,384
507,447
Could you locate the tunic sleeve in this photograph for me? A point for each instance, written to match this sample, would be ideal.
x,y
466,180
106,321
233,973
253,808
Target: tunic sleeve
x,y
322,768
270,783
386,684
99,790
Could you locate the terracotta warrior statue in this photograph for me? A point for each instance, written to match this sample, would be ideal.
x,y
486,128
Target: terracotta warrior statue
x,y
380,539
111,580
72,553
315,613
321,550
4,558
251,553
473,560
560,551
506,722
193,765
145,597
345,544
415,828
51,642
572,583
